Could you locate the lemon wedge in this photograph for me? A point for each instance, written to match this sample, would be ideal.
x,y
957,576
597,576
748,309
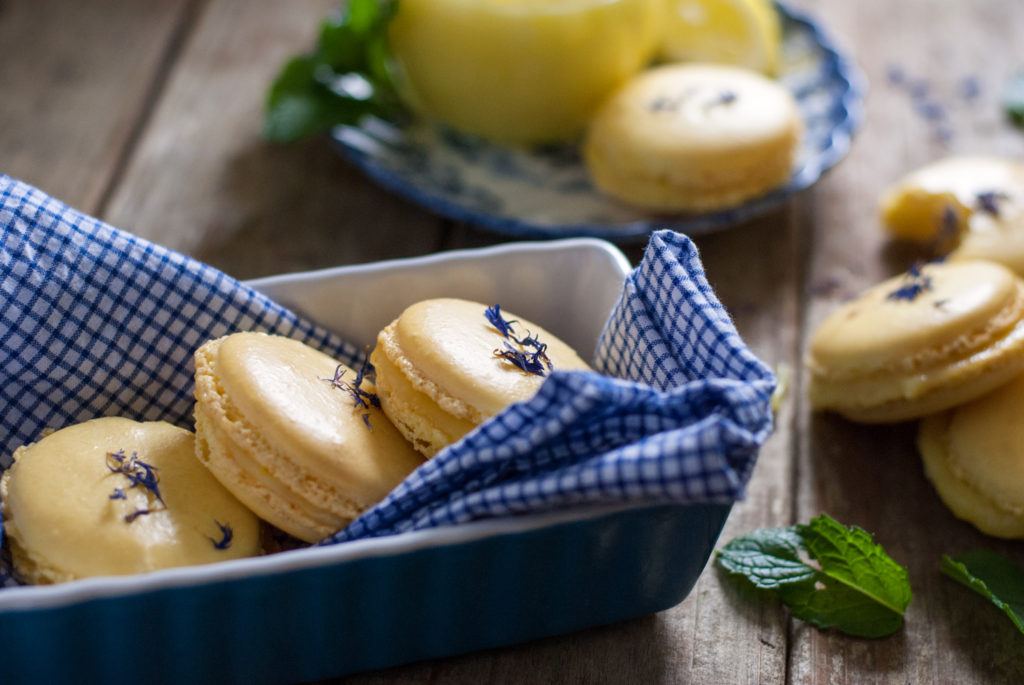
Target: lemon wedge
x,y
743,33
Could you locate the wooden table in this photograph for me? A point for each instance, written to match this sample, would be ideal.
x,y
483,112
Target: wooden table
x,y
147,115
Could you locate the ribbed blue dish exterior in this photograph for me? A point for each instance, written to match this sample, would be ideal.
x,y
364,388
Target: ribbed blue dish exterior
x,y
334,619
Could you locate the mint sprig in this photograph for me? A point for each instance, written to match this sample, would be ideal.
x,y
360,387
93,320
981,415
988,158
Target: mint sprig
x,y
828,574
346,77
992,576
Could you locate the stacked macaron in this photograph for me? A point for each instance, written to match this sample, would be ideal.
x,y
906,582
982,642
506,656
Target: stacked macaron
x,y
284,434
445,366
944,342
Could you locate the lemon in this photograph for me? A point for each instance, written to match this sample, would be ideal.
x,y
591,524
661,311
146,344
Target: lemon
x,y
519,71
743,33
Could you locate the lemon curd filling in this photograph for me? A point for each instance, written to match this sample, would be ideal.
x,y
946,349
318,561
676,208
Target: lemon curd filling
x,y
519,71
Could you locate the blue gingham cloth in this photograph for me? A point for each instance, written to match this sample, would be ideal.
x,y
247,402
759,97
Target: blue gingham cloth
x,y
98,322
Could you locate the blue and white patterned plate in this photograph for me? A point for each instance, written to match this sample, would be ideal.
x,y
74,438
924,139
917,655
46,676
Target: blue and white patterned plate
x,y
546,192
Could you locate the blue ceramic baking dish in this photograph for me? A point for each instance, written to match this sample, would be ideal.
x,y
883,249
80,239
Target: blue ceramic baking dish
x,y
325,611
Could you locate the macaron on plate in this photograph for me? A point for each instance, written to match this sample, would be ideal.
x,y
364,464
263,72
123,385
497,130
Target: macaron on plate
x,y
546,192
324,611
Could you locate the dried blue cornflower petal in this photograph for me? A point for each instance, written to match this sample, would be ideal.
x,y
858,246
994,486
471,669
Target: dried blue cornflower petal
x,y
533,361
662,104
918,88
136,471
725,97
970,87
914,283
361,399
950,222
521,360
118,493
226,535
128,518
989,201
931,111
493,314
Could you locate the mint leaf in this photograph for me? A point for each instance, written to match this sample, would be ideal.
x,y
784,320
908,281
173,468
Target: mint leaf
x,y
854,585
992,576
346,77
767,557
1013,98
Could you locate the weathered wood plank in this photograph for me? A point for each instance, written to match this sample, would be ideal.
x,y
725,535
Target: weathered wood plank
x,y
203,181
75,79
872,476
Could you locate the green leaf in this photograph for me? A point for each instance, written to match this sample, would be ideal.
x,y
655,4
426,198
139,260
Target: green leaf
x,y
992,576
854,585
306,98
1013,98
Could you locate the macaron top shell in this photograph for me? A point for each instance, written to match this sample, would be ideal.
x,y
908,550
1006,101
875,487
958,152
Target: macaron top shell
x,y
964,178
702,109
940,312
961,198
286,390
73,516
450,344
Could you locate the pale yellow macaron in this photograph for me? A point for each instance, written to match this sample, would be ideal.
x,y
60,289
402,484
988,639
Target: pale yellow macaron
x,y
444,366
293,435
693,137
972,205
114,496
974,455
919,343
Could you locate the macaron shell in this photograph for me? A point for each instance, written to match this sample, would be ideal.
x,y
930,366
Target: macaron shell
x,y
231,460
450,344
290,441
283,387
965,305
986,445
693,137
898,353
995,238
64,525
887,398
414,413
963,479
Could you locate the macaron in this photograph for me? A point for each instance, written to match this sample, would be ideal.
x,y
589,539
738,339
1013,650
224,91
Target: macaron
x,y
974,456
294,434
693,138
445,366
939,335
972,206
114,496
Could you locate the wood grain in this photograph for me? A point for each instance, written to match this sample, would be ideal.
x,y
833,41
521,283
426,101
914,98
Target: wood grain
x,y
203,181
76,79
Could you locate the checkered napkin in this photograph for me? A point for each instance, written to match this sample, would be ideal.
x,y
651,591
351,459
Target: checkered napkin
x,y
98,322
679,416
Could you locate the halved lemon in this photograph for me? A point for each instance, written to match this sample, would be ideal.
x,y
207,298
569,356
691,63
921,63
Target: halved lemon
x,y
743,33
